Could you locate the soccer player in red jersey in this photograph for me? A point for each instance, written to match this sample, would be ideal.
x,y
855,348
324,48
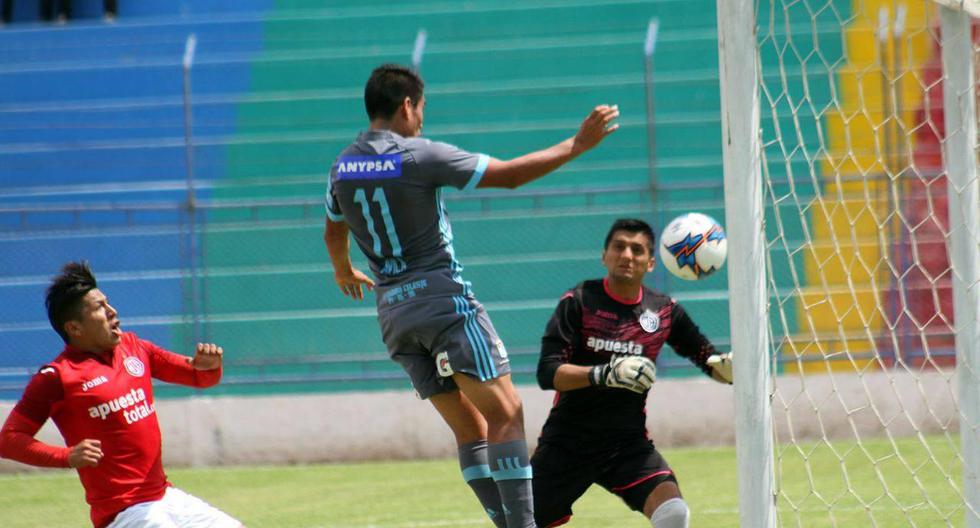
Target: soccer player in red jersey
x,y
598,352
99,394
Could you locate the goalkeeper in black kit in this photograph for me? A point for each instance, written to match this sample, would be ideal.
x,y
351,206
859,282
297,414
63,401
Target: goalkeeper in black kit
x,y
598,353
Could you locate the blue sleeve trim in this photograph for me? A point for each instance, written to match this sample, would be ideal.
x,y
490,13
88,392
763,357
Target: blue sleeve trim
x,y
481,167
476,472
327,198
334,217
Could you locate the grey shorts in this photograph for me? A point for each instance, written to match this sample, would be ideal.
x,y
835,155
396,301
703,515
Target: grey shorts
x,y
434,338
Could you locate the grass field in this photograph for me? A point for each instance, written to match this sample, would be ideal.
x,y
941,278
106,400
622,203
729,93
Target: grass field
x,y
432,494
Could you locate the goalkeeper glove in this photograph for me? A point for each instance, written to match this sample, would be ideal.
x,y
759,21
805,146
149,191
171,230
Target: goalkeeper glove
x,y
635,373
721,367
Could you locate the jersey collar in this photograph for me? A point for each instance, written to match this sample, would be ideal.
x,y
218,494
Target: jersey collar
x,y
380,132
621,300
83,354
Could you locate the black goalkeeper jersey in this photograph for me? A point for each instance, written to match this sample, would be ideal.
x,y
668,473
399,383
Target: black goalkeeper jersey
x,y
589,326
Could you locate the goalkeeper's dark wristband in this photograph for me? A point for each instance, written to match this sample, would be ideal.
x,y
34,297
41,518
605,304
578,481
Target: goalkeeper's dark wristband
x,y
597,376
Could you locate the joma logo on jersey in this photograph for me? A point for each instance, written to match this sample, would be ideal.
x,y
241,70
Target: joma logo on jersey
x,y
369,167
616,347
94,382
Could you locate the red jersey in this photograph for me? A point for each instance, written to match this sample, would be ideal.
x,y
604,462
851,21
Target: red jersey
x,y
108,399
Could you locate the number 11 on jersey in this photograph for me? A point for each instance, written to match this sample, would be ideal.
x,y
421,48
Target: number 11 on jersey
x,y
379,197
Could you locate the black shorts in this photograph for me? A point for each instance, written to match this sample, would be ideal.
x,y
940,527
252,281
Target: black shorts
x,y
562,475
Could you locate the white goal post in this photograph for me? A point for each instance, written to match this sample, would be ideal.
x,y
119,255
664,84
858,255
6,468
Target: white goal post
x,y
970,6
746,261
849,134
960,102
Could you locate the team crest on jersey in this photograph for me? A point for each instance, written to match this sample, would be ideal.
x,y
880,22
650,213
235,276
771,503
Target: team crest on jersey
x,y
134,366
649,321
378,167
442,364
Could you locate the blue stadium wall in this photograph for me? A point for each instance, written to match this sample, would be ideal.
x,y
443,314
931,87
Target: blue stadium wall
x,y
92,112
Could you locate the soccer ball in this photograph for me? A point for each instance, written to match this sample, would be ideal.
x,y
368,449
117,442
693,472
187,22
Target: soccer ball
x,y
693,246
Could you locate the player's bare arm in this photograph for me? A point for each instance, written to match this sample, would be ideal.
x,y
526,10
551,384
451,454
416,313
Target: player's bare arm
x,y
349,279
86,453
513,173
207,356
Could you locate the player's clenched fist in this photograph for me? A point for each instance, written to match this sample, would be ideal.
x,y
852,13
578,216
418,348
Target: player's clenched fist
x,y
635,373
207,356
86,453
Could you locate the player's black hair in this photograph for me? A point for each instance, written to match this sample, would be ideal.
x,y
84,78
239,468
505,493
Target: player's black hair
x,y
388,87
632,225
64,296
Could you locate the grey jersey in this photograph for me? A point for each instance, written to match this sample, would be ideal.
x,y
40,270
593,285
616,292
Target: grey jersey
x,y
388,189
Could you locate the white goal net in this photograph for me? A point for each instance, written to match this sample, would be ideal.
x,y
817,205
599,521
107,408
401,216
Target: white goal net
x,y
868,197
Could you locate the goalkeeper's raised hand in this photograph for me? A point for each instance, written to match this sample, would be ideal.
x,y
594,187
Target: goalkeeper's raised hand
x,y
721,367
635,373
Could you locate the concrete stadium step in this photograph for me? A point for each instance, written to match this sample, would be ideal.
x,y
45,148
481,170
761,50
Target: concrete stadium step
x,y
277,336
69,82
509,279
308,153
75,124
334,332
138,295
586,54
526,100
319,22
164,124
107,250
34,344
149,79
109,161
553,231
100,45
491,20
166,181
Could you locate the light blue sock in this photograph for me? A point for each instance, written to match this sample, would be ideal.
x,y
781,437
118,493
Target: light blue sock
x,y
511,470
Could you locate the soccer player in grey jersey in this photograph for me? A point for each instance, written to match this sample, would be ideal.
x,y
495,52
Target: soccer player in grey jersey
x,y
385,190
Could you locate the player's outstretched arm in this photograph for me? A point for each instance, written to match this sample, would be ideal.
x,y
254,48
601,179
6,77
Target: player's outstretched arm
x,y
203,370
513,173
687,340
348,278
